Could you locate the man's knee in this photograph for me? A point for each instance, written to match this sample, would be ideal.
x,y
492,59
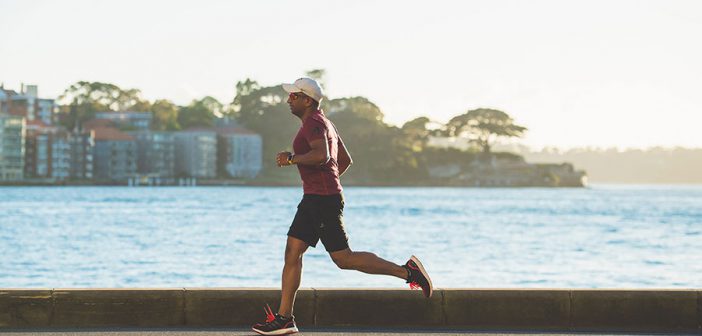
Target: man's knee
x,y
343,259
294,251
292,257
343,263
292,260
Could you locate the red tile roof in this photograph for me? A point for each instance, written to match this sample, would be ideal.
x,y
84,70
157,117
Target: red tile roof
x,y
95,123
36,122
111,134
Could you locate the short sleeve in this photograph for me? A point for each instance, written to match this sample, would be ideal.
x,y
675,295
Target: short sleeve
x,y
314,130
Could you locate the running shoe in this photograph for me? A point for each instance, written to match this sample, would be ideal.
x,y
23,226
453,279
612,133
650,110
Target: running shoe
x,y
275,324
418,277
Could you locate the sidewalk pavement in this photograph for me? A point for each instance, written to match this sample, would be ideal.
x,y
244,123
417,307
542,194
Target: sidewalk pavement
x,y
247,332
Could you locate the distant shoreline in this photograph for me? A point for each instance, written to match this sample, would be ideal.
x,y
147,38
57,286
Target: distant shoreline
x,y
271,184
347,184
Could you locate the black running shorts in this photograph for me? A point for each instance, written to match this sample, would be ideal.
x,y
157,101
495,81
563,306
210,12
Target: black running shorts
x,y
320,217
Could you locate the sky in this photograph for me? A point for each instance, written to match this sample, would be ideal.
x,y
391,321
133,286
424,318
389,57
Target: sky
x,y
624,74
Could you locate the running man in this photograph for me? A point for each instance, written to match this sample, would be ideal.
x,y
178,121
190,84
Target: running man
x,y
322,158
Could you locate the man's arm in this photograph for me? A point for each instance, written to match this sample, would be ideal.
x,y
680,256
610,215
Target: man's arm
x,y
318,154
344,158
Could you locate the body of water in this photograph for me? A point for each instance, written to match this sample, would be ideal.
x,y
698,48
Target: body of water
x,y
599,237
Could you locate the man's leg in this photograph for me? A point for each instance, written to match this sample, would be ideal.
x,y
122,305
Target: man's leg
x,y
367,262
292,274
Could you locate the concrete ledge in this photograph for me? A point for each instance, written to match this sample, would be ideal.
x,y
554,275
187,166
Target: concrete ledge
x,y
528,309
633,310
378,307
675,311
25,307
118,307
240,306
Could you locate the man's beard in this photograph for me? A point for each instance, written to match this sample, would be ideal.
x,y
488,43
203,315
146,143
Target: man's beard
x,y
297,113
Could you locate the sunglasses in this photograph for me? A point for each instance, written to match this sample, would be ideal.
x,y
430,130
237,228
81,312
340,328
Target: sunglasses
x,y
295,95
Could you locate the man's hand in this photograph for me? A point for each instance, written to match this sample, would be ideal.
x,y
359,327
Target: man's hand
x,y
282,159
317,155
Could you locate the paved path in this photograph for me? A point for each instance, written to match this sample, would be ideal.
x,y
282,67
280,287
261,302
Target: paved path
x,y
242,332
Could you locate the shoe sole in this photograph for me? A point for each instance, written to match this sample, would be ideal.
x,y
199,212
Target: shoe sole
x,y
424,273
277,332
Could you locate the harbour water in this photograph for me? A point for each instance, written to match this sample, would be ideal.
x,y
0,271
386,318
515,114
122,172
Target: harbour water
x,y
605,236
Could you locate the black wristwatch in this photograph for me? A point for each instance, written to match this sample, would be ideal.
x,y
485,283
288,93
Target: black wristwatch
x,y
290,158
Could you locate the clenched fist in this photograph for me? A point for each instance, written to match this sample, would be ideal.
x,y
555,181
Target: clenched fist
x,y
282,159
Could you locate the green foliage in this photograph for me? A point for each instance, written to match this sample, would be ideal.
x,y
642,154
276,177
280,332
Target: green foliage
x,y
483,126
200,113
445,156
381,152
264,110
508,156
165,116
83,99
318,75
417,133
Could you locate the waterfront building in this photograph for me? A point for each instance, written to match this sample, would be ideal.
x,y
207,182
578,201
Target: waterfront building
x,y
127,119
54,153
82,147
12,136
155,153
5,99
59,154
196,153
27,104
47,151
114,155
36,148
240,152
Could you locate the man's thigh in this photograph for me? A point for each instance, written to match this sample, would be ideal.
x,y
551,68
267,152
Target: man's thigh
x,y
305,224
295,248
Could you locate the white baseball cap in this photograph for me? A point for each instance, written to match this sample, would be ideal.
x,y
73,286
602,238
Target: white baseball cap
x,y
308,86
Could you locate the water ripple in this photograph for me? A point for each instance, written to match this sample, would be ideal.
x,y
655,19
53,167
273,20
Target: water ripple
x,y
605,236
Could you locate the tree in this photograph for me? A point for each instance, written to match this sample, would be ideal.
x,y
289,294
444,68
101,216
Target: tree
x,y
212,105
83,99
417,133
243,89
357,107
484,126
200,113
264,110
131,100
380,152
165,116
318,75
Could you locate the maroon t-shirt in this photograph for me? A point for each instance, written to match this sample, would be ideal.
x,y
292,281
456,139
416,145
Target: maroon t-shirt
x,y
318,179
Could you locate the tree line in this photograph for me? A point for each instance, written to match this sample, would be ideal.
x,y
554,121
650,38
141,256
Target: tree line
x,y
381,152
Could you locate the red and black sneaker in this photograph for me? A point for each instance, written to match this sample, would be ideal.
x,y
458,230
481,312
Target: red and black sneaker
x,y
275,324
418,277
